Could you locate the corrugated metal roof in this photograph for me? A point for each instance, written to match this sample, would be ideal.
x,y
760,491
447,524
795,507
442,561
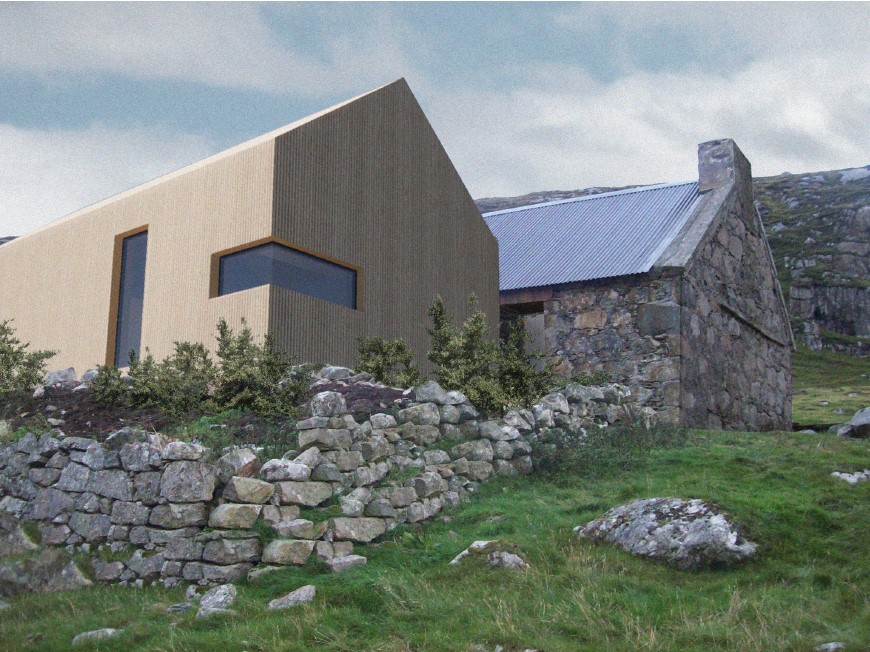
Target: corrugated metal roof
x,y
585,238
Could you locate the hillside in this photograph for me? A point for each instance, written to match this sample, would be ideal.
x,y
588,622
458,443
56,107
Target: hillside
x,y
808,584
818,225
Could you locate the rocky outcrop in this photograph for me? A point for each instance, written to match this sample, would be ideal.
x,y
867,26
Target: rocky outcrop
x,y
687,534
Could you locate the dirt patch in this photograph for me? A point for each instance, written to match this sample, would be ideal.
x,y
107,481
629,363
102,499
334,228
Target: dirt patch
x,y
84,417
81,415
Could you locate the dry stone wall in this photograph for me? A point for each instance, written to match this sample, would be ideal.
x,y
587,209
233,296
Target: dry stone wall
x,y
150,509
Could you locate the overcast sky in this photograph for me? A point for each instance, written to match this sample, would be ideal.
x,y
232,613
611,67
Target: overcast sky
x,y
97,98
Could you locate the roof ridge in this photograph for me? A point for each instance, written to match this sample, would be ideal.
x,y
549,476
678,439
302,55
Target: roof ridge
x,y
602,195
225,153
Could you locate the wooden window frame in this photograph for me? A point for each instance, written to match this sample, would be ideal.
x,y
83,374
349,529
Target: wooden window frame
x,y
214,272
115,293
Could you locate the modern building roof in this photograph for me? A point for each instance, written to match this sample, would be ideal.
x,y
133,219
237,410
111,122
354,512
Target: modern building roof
x,y
593,237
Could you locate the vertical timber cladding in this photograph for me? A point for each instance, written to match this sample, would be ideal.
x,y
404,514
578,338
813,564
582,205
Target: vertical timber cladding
x,y
369,183
68,265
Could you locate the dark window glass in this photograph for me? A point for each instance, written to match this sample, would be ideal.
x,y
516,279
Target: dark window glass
x,y
276,264
128,335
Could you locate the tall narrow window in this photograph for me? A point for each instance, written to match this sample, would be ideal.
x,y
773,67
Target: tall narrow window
x,y
276,264
131,291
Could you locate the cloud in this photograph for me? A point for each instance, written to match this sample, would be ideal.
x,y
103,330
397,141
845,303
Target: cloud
x,y
562,128
716,36
48,174
230,45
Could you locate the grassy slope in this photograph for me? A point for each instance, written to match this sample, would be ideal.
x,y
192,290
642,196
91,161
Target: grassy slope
x,y
809,583
826,376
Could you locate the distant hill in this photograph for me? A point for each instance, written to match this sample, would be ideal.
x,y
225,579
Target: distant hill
x,y
4,240
818,225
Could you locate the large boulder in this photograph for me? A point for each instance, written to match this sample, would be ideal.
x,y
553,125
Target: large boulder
x,y
858,426
51,570
687,534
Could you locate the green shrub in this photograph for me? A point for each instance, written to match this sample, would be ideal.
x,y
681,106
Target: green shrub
x,y
597,377
389,361
255,376
20,369
601,450
518,374
109,387
247,376
178,385
493,375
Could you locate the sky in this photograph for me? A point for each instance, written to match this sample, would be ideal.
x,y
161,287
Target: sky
x,y
98,98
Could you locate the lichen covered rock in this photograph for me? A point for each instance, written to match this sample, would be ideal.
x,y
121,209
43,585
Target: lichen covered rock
x,y
687,534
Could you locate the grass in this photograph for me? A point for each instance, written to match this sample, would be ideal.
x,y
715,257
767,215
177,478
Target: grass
x,y
825,377
809,583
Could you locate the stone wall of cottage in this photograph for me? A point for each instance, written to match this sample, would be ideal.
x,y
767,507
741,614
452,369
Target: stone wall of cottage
x,y
736,344
627,327
147,509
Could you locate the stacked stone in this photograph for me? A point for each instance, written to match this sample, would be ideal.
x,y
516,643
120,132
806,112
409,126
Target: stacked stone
x,y
135,488
340,457
580,407
188,519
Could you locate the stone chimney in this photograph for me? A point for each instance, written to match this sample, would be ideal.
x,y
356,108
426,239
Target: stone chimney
x,y
720,162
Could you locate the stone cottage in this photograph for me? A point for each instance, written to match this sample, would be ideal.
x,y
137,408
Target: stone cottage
x,y
671,289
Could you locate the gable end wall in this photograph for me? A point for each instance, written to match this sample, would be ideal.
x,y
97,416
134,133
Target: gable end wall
x,y
736,343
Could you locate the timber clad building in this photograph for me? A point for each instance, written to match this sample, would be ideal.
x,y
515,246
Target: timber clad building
x,y
342,225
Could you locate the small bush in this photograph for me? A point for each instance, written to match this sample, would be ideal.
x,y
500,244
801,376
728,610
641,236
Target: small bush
x,y
389,361
109,387
597,377
493,375
247,376
20,369
520,380
255,376
601,450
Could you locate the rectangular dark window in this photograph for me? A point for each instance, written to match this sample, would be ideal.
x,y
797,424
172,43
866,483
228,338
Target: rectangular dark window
x,y
131,292
275,264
